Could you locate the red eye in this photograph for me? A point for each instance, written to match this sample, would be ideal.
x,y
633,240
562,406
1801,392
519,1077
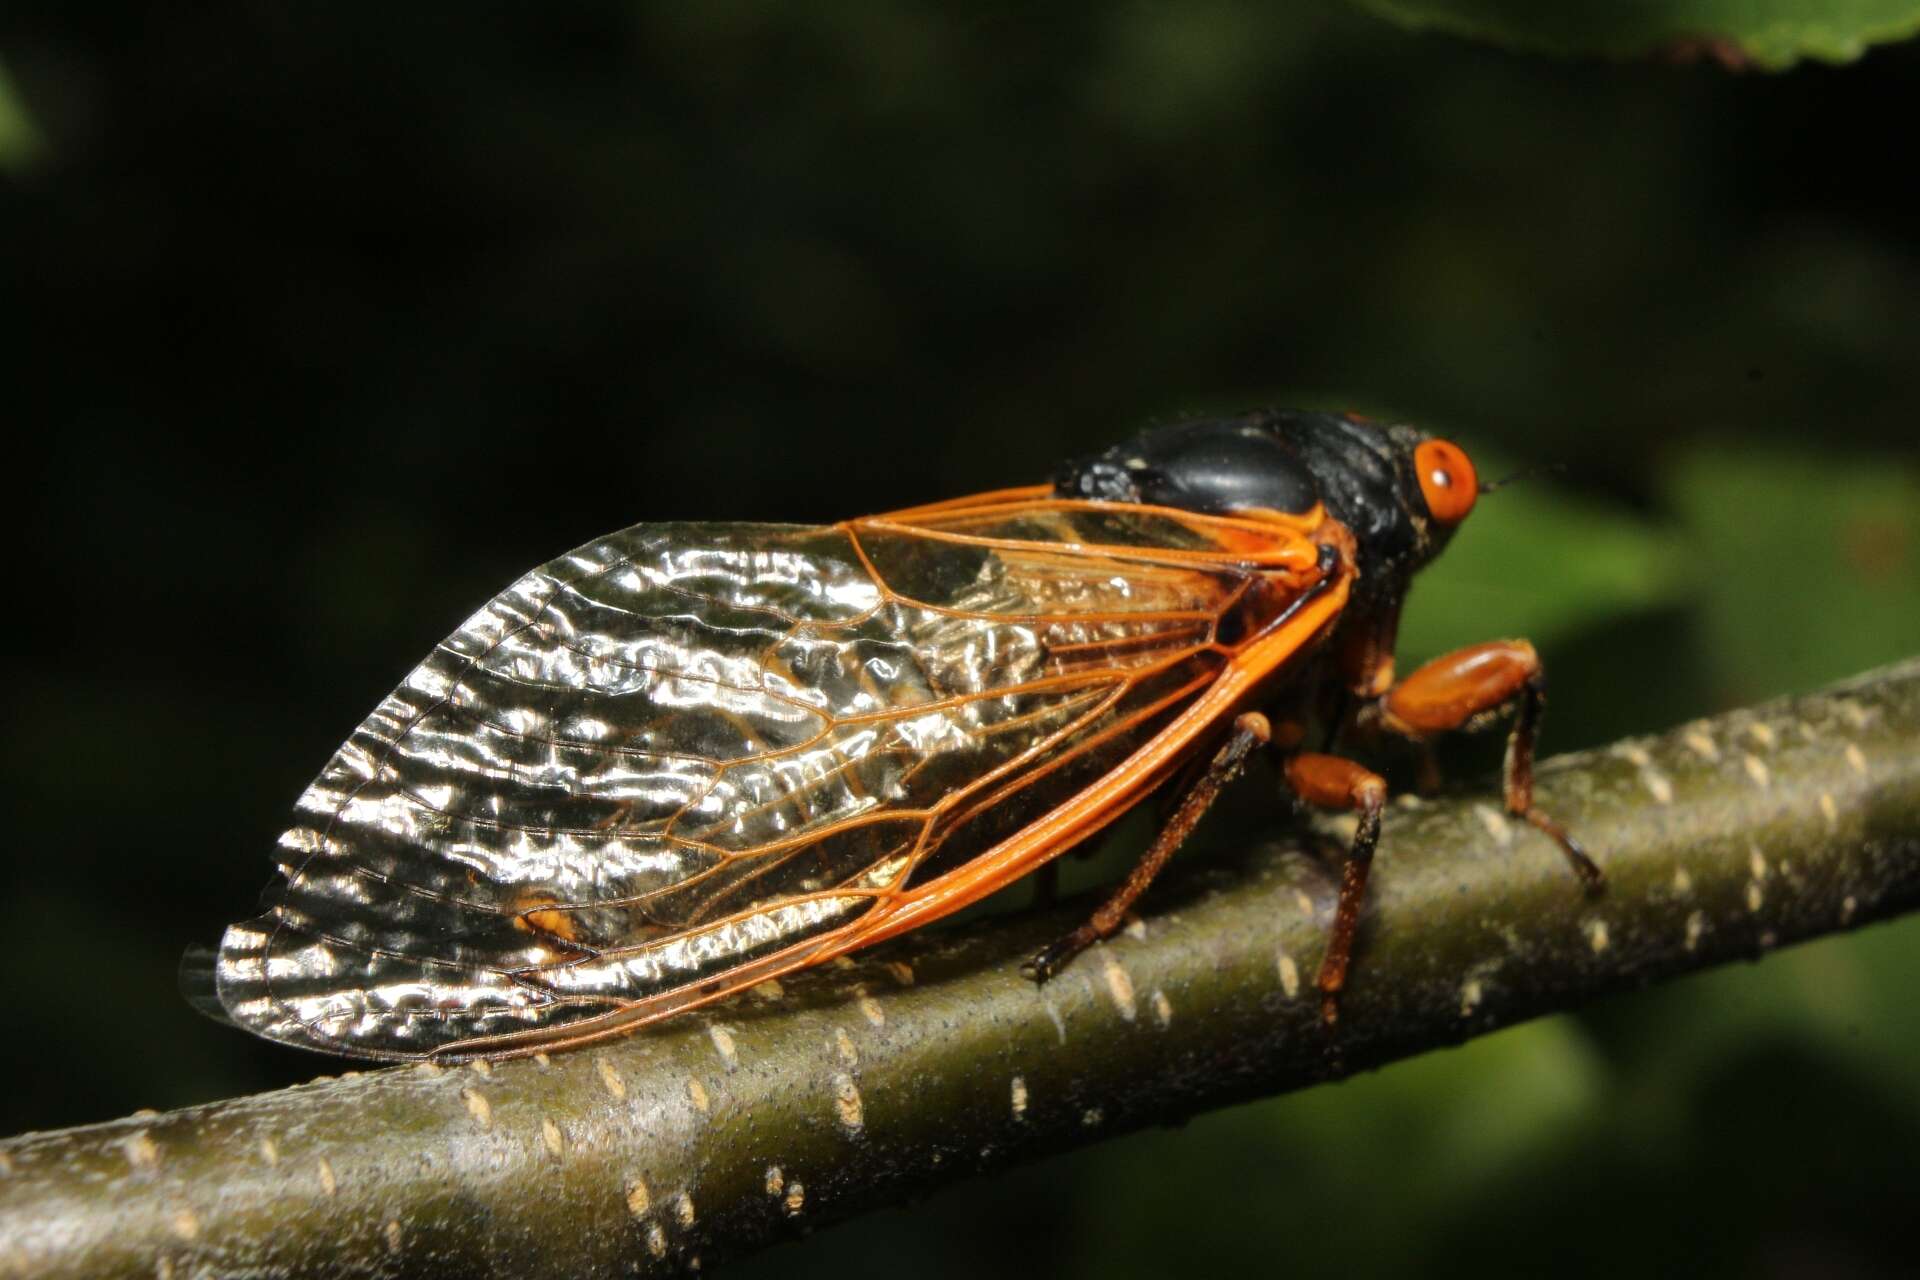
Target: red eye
x,y
1447,480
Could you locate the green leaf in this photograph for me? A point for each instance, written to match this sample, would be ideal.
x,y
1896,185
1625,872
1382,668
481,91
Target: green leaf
x,y
20,141
1767,34
1806,567
1533,561
1392,1158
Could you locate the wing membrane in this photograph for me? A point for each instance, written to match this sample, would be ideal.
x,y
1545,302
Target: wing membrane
x,y
684,754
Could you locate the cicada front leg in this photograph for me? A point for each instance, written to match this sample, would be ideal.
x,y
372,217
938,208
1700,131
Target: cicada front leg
x,y
1450,693
1457,689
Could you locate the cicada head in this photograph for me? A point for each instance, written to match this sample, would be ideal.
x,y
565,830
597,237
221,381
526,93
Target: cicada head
x,y
1400,491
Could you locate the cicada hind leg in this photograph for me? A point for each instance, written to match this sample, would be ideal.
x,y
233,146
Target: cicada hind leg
x,y
1456,691
1250,732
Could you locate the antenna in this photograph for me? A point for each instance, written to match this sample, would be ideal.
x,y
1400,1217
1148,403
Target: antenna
x,y
1526,473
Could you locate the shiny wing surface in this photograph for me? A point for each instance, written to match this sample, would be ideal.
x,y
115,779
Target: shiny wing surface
x,y
682,749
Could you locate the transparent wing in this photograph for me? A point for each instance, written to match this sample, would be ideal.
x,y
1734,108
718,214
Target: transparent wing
x,y
683,749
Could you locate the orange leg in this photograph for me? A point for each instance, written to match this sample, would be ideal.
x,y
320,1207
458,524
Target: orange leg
x,y
1457,688
1335,783
1249,731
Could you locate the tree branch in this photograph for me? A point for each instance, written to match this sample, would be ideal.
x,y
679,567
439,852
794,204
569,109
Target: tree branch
x,y
930,1060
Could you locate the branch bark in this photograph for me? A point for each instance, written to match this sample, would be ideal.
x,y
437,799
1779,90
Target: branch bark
x,y
930,1060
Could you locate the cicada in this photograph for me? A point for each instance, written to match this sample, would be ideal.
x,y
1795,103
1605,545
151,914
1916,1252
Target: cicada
x,y
686,758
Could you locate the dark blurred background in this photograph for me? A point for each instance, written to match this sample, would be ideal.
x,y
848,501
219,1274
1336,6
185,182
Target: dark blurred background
x,y
330,320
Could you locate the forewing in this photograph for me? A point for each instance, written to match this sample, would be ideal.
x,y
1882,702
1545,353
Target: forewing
x,y
682,749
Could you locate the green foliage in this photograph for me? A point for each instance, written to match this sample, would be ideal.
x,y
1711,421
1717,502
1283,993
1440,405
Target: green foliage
x,y
1760,550
1457,1121
20,141
1768,34
1804,566
1534,560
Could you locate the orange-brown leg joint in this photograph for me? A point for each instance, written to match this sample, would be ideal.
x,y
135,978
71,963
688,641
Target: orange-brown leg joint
x,y
1332,782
